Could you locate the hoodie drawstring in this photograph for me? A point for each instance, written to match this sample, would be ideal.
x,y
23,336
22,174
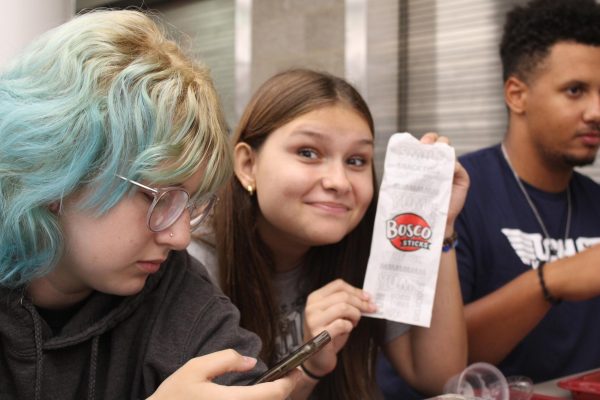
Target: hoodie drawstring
x,y
93,364
39,354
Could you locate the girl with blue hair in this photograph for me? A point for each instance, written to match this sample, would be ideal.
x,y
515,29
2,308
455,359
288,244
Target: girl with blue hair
x,y
112,144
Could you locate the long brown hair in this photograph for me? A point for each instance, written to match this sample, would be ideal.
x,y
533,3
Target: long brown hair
x,y
245,263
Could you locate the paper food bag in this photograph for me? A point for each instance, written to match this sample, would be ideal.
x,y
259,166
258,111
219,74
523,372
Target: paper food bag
x,y
409,229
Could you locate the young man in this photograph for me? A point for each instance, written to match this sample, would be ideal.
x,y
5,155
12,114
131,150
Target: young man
x,y
528,254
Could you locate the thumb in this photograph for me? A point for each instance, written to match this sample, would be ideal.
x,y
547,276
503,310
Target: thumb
x,y
218,363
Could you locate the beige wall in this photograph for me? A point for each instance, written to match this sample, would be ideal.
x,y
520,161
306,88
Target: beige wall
x,y
422,65
23,20
296,33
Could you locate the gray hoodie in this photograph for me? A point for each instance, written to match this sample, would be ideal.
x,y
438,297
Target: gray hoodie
x,y
120,347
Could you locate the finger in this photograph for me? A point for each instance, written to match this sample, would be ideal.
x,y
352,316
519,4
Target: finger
x,y
283,387
345,296
339,331
338,311
336,286
443,139
215,364
277,390
429,138
338,328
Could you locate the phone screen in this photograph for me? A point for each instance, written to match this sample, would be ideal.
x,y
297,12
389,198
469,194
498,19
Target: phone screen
x,y
295,358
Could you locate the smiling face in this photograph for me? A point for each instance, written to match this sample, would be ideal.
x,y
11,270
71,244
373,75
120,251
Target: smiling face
x,y
313,178
113,253
563,105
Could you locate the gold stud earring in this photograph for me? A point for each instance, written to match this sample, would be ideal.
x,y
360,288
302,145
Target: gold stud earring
x,y
250,190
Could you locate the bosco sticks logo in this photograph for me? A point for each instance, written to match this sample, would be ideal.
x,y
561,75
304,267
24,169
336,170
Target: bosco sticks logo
x,y
408,232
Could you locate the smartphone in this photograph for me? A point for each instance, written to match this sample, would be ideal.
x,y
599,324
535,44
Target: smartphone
x,y
295,358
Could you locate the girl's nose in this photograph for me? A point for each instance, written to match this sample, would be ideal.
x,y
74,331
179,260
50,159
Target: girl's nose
x,y
178,235
336,178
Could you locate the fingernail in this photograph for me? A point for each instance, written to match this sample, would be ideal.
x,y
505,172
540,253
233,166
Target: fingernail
x,y
366,295
249,360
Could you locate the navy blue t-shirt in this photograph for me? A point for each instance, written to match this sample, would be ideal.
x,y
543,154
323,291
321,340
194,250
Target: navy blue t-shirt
x,y
500,238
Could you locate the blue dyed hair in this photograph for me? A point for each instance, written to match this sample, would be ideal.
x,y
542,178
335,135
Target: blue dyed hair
x,y
106,93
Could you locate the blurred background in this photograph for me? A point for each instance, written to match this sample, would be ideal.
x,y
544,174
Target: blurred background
x,y
422,65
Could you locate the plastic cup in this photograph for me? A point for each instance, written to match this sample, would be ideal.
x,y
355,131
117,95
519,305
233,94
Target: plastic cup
x,y
481,381
520,387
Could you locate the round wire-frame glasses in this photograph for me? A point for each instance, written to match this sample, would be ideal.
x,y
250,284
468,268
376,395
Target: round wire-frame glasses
x,y
170,202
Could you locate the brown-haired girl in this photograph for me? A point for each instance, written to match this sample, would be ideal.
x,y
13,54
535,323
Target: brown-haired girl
x,y
292,236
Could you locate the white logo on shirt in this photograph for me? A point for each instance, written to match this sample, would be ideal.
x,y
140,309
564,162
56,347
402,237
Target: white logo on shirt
x,y
532,248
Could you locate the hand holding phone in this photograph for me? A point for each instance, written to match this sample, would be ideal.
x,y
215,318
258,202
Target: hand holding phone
x,y
295,358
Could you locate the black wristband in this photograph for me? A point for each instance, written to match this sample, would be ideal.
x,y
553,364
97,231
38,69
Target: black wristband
x,y
310,374
547,295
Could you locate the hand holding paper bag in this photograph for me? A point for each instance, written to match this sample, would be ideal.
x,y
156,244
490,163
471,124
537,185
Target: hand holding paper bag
x,y
410,225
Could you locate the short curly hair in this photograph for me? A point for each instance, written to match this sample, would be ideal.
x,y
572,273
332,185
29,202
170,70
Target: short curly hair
x,y
531,30
107,93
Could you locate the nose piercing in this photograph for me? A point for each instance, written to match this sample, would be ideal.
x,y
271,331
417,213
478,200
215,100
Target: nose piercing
x,y
171,234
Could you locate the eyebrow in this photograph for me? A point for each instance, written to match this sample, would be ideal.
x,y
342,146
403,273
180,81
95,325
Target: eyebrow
x,y
321,137
574,82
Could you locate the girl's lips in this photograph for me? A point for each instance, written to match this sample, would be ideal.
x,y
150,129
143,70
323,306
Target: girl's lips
x,y
331,207
150,267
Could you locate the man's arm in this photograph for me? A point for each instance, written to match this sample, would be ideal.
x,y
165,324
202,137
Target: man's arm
x,y
497,322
